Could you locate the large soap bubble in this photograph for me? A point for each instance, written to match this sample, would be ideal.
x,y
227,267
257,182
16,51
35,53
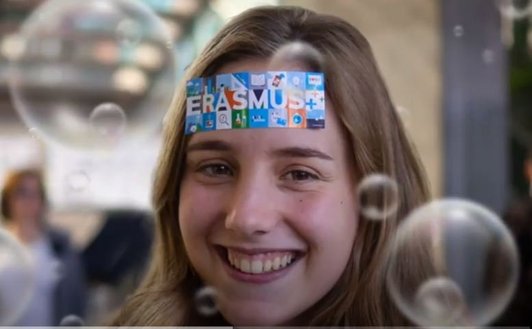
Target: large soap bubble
x,y
453,263
93,74
17,280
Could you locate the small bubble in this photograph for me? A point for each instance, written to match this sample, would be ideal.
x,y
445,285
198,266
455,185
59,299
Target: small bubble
x,y
299,53
34,132
488,56
205,300
108,120
78,181
441,300
458,31
378,195
71,321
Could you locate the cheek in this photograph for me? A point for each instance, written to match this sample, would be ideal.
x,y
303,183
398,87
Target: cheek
x,y
326,218
199,209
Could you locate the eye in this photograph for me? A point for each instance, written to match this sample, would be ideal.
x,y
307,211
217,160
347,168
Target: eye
x,y
300,175
216,170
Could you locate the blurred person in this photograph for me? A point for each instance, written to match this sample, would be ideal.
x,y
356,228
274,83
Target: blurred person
x,y
60,281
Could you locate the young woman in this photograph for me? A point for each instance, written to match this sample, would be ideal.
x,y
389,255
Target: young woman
x,y
232,203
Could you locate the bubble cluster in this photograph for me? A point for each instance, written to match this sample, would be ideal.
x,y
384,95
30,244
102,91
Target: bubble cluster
x,y
453,263
89,74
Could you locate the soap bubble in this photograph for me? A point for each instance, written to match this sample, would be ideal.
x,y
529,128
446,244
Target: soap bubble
x,y
453,263
297,53
108,121
34,132
488,56
81,55
17,280
378,195
441,301
78,181
458,31
71,321
205,301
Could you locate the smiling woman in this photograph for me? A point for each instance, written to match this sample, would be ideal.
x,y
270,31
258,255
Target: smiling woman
x,y
269,217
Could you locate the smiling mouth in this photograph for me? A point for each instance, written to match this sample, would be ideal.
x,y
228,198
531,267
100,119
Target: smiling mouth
x,y
258,263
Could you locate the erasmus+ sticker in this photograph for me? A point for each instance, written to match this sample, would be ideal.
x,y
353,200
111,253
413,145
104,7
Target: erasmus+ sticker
x,y
273,99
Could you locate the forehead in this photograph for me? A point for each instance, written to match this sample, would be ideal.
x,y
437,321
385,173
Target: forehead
x,y
329,139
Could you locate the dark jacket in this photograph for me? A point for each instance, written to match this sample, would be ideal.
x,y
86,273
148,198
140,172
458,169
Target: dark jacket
x,y
71,290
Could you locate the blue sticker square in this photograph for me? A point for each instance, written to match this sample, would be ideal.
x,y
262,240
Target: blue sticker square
x,y
209,121
240,80
209,85
277,79
257,80
194,87
258,118
315,81
297,80
278,118
193,124
223,81
315,100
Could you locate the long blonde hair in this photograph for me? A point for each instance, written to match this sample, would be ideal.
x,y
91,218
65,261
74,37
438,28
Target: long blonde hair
x,y
374,134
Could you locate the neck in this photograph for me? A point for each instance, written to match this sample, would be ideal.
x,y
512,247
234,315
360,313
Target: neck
x,y
25,232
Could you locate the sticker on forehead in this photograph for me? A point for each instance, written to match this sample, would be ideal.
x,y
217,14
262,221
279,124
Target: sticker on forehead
x,y
251,100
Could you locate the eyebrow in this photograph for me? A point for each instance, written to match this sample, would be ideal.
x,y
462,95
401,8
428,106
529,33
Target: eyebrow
x,y
287,152
301,152
212,145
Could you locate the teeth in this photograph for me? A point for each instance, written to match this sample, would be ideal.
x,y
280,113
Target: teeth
x,y
245,266
259,263
283,261
276,263
256,266
267,266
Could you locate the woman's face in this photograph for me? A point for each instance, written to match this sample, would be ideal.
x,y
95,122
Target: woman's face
x,y
26,203
268,216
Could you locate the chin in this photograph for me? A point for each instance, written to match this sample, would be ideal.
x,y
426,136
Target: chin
x,y
242,316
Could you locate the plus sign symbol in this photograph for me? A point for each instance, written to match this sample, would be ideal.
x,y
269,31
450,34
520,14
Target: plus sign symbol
x,y
315,100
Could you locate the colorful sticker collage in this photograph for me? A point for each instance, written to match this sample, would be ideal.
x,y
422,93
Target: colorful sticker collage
x,y
256,100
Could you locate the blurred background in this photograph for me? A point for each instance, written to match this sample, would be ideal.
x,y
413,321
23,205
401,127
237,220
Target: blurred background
x,y
459,72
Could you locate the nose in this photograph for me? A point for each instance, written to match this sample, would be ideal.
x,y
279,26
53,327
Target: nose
x,y
253,209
